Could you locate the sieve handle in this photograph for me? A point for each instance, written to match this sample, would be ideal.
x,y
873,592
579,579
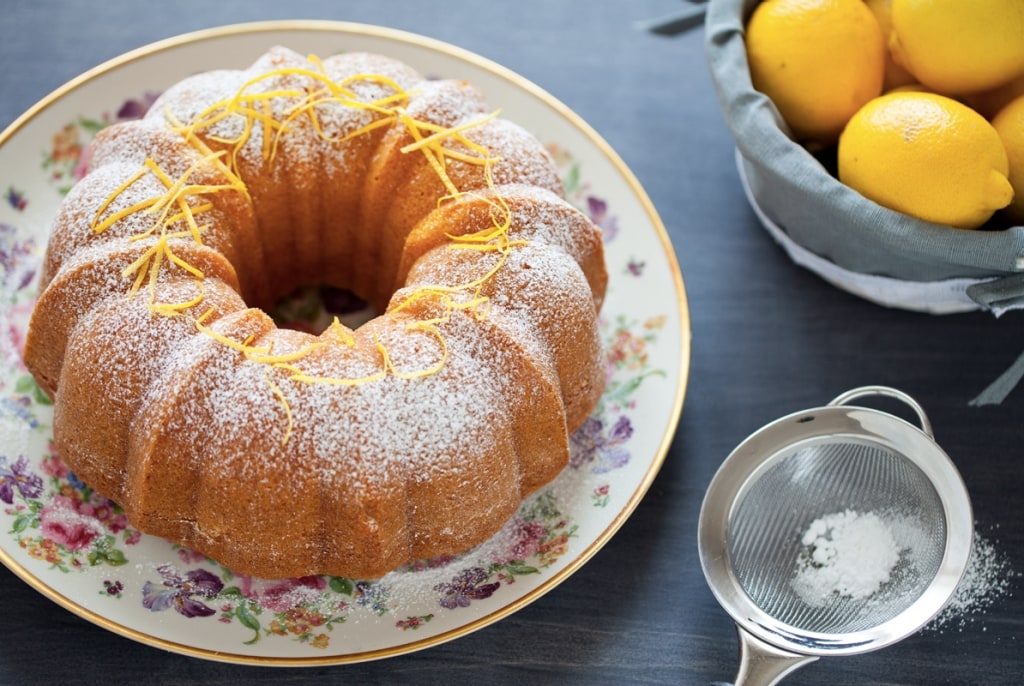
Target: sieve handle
x,y
762,664
888,392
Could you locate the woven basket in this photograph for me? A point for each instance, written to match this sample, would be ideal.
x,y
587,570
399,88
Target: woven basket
x,y
856,244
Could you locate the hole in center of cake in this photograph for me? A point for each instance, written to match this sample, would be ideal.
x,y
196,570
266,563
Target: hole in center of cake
x,y
313,308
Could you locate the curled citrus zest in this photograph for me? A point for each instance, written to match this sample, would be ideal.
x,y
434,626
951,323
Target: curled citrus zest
x,y
267,358
441,134
279,394
340,333
302,377
243,347
387,366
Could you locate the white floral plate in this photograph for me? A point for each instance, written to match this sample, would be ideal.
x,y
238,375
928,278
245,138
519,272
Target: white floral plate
x,y
77,548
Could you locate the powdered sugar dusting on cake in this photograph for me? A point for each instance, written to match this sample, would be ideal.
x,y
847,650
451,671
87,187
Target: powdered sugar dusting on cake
x,y
307,133
524,160
428,422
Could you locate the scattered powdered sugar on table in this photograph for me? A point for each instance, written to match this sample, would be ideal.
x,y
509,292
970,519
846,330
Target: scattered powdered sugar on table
x,y
848,554
987,579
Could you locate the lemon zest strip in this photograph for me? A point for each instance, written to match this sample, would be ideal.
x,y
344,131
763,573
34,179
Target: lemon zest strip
x,y
279,394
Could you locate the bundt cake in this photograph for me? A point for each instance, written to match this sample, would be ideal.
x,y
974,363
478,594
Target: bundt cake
x,y
280,453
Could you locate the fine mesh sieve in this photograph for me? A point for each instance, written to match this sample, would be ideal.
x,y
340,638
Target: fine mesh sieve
x,y
837,463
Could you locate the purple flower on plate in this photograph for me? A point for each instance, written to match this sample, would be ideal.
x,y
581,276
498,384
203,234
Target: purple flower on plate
x,y
18,407
177,591
15,271
598,211
16,199
371,596
113,589
467,586
17,476
591,444
136,108
636,267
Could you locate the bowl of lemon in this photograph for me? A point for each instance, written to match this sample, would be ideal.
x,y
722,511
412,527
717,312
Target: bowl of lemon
x,y
881,142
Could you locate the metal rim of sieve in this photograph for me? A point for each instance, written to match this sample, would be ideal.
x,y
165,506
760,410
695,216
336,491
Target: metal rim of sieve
x,y
838,421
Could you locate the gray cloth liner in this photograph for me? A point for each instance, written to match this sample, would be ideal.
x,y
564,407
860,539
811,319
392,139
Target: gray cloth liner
x,y
831,219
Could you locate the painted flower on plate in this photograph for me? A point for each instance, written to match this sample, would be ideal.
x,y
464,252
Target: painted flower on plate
x,y
16,199
18,477
599,214
603,449
282,595
178,591
525,538
64,521
467,586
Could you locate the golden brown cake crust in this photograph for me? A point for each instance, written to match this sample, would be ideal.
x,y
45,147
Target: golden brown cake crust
x,y
281,453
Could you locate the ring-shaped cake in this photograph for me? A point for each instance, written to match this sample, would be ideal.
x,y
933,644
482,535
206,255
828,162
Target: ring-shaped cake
x,y
283,453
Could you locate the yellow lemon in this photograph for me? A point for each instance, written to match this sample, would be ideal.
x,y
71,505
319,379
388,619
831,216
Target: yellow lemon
x,y
959,46
1009,124
928,156
818,60
896,75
